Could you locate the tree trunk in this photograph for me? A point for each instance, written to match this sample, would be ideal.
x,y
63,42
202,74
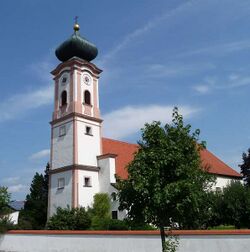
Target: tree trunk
x,y
163,238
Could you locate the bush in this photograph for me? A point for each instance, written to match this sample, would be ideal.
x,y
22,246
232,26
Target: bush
x,y
69,219
222,227
99,224
236,205
5,224
138,225
118,225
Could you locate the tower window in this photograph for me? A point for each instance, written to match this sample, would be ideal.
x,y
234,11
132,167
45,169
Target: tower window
x,y
60,183
64,79
87,97
62,131
88,131
87,182
64,98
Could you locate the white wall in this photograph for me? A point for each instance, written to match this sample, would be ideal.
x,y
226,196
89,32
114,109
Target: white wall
x,y
62,154
60,197
14,217
120,243
106,177
88,146
86,194
222,182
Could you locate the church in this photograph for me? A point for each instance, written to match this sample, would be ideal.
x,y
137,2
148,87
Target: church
x,y
83,162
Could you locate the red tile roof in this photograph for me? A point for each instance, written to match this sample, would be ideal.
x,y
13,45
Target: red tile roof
x,y
125,154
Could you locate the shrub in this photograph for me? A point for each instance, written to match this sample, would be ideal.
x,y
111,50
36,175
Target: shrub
x,y
69,219
118,225
98,223
5,224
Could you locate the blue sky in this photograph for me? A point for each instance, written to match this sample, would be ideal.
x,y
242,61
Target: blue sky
x,y
154,54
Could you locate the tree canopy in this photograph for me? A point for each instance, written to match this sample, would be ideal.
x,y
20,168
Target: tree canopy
x,y
34,214
4,199
166,183
5,222
245,167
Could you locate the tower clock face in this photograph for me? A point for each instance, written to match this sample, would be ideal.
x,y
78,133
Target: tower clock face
x,y
87,79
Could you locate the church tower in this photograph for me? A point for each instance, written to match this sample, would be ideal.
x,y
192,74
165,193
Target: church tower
x,y
76,126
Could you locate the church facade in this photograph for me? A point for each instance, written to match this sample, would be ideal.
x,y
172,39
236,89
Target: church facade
x,y
84,163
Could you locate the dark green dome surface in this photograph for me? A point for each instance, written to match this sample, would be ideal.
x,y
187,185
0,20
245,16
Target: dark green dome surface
x,y
76,46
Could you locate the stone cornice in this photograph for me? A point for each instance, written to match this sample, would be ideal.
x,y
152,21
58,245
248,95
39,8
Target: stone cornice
x,y
107,155
74,167
76,62
74,114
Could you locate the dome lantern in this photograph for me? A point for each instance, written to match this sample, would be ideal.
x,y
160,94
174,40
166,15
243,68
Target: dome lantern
x,y
76,46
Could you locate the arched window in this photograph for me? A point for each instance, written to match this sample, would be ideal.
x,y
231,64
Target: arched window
x,y
64,98
87,98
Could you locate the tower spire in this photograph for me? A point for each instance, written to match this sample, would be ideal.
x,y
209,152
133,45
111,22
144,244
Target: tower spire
x,y
76,25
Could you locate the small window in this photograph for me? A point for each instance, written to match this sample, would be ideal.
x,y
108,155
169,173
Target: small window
x,y
113,196
114,215
87,97
64,79
62,131
88,130
87,182
60,183
64,98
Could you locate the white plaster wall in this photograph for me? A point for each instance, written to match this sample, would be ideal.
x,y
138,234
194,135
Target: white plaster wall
x,y
60,197
14,217
86,194
222,182
62,154
120,243
106,174
97,91
88,146
106,177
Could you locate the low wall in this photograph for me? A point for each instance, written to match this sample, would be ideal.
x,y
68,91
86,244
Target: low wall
x,y
122,241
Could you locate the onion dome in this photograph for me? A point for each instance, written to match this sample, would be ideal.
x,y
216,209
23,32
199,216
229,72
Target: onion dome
x,y
76,46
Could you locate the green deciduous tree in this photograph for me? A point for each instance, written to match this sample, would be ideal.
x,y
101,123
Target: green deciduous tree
x,y
166,183
245,167
100,212
34,214
5,223
236,205
4,199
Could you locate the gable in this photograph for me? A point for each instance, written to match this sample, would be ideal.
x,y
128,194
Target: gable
x,y
125,154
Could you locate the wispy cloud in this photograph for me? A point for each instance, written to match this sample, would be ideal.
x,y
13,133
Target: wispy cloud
x,y
17,188
128,120
40,154
219,49
19,104
228,82
10,180
151,24
173,69
202,89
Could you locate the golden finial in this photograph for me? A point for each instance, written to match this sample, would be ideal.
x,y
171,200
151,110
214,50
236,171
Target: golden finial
x,y
76,25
